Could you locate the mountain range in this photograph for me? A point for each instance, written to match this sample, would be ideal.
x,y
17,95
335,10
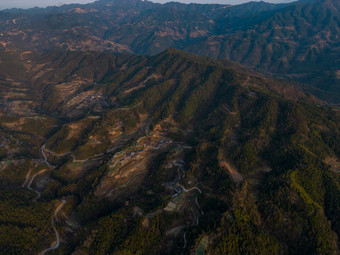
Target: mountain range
x,y
162,155
298,41
129,127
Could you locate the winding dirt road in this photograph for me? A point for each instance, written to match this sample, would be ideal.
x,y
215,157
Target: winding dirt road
x,y
45,158
185,239
57,210
30,183
27,178
188,190
56,154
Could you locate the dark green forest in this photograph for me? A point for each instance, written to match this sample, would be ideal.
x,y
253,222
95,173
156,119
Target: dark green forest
x,y
252,162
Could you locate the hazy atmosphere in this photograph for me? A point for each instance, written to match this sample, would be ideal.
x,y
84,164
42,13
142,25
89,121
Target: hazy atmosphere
x,y
43,3
156,127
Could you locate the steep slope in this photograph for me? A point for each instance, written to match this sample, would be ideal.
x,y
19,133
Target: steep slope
x,y
298,40
167,154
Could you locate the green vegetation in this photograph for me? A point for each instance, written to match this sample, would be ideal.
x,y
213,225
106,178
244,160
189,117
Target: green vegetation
x,y
279,197
121,233
23,224
69,137
241,232
13,173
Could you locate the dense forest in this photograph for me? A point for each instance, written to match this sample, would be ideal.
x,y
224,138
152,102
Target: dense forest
x,y
170,154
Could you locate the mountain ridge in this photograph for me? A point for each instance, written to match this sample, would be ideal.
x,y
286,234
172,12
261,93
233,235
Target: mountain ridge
x,y
229,150
149,153
296,40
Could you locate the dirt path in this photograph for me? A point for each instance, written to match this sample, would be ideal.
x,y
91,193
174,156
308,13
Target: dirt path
x,y
125,184
30,183
234,174
185,239
56,154
55,212
45,158
199,206
27,178
237,177
56,246
225,107
129,107
188,190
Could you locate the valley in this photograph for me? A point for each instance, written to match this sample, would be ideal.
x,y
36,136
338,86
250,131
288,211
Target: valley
x,y
106,153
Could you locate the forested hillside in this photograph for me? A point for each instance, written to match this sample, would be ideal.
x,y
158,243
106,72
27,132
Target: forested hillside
x,y
164,154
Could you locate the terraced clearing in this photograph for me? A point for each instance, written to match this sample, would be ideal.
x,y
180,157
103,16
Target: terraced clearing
x,y
131,162
78,168
176,204
202,246
6,163
334,164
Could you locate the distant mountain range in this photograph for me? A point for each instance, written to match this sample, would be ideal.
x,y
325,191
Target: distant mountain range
x,y
299,41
